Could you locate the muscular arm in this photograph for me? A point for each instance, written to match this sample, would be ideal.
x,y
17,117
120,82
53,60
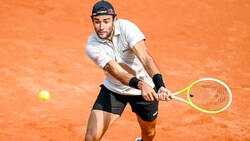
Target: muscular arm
x,y
119,71
124,73
146,59
150,66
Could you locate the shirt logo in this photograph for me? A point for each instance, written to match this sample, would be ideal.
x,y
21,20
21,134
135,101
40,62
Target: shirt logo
x,y
97,59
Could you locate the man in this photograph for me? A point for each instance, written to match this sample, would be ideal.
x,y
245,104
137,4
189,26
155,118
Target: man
x,y
131,75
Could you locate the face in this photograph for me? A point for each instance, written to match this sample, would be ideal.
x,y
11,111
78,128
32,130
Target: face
x,y
104,26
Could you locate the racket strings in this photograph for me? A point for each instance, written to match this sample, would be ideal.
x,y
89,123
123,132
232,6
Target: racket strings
x,y
209,95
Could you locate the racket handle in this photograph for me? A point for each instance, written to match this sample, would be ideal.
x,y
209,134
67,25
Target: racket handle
x,y
176,97
174,93
180,99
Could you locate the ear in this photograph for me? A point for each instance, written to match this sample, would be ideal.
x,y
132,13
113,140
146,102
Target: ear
x,y
91,18
114,18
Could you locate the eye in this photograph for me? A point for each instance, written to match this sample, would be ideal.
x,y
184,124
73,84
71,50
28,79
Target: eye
x,y
107,21
97,22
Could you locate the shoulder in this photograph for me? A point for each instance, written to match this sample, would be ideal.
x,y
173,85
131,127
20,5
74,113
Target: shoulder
x,y
92,39
126,27
124,23
92,43
95,40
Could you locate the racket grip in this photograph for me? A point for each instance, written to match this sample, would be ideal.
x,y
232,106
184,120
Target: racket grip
x,y
160,98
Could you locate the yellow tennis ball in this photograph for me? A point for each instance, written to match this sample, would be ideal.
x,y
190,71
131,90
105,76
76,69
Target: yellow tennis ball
x,y
44,95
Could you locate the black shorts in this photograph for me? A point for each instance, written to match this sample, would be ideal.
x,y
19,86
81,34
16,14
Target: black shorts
x,y
115,103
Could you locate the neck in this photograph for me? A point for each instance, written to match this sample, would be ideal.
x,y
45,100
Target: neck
x,y
110,37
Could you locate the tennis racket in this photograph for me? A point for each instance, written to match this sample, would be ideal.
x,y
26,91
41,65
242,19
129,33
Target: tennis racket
x,y
207,95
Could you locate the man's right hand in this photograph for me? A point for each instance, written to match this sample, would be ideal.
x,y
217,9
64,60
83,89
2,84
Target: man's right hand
x,y
164,94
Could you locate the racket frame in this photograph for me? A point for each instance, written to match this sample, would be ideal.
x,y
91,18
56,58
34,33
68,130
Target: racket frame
x,y
189,102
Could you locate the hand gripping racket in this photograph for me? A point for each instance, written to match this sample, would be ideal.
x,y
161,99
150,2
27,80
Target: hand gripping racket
x,y
207,95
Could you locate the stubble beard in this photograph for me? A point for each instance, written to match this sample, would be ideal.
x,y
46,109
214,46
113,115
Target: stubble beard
x,y
109,34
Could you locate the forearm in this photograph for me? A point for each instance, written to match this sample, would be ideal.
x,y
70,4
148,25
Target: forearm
x,y
123,77
150,66
154,72
145,58
118,72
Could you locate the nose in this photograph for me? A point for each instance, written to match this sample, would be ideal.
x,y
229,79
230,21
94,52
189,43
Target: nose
x,y
101,26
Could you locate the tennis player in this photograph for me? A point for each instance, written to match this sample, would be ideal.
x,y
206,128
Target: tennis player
x,y
131,74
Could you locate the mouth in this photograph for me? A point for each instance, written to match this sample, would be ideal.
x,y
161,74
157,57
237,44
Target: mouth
x,y
102,32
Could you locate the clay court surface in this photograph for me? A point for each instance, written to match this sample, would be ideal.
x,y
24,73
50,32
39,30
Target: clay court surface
x,y
42,46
